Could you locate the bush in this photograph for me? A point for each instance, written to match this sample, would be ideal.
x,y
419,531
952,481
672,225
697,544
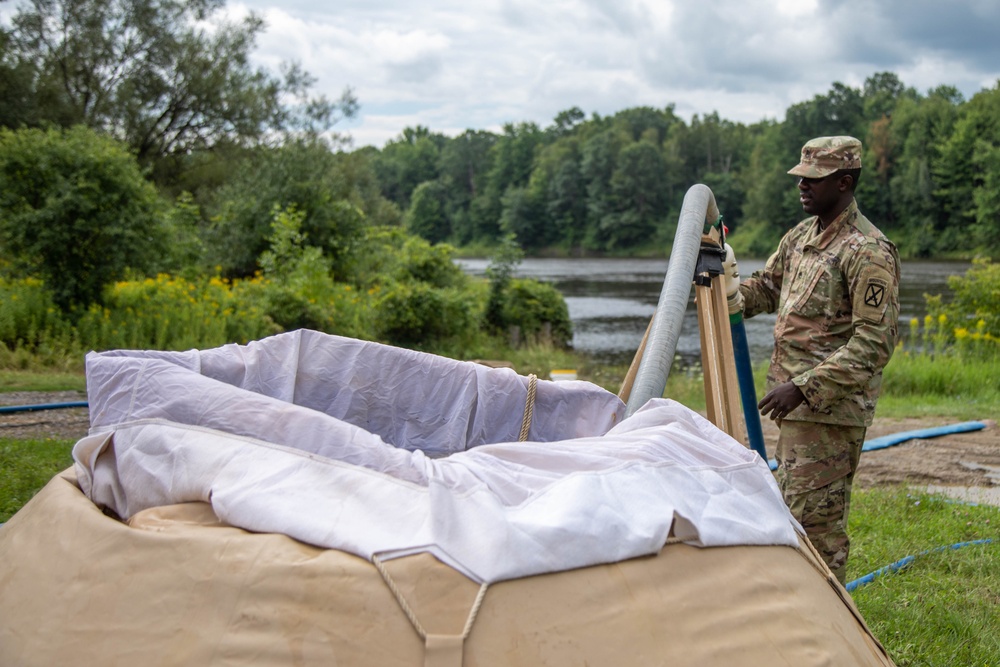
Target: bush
x,y
433,265
169,313
28,314
302,173
539,310
420,315
75,211
976,302
299,290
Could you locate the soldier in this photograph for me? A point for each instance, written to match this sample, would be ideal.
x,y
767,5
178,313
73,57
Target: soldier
x,y
833,282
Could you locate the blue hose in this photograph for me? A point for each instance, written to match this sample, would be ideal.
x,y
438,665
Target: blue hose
x,y
905,436
748,393
45,406
904,562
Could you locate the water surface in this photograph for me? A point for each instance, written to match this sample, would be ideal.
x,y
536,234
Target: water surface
x,y
611,300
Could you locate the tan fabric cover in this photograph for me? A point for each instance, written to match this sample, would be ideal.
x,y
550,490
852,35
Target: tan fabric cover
x,y
179,588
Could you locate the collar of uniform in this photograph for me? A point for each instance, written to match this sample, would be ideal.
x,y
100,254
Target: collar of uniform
x,y
824,238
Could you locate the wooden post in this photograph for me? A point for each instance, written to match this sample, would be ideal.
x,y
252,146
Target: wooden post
x,y
722,398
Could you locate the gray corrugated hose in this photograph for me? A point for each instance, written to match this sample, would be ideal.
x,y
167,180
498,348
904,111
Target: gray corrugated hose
x,y
698,208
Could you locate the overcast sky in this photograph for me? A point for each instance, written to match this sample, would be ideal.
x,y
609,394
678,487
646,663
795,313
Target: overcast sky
x,y
452,65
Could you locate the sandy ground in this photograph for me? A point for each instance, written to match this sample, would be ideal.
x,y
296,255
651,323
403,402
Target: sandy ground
x,y
970,459
955,462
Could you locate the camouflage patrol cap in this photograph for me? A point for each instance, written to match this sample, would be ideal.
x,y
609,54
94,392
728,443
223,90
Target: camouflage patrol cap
x,y
825,155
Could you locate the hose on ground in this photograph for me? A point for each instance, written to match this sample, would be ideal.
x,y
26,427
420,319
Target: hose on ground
x,y
902,563
905,436
6,409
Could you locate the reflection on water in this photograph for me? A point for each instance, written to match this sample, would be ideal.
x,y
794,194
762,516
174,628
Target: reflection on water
x,y
611,300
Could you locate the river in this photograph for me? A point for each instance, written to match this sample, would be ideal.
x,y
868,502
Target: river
x,y
611,300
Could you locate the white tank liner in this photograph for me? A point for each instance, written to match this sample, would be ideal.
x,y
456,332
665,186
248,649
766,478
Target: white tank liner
x,y
372,449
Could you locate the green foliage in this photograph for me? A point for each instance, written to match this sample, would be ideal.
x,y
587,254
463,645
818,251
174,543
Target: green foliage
x,y
975,305
536,309
297,276
75,211
615,184
431,264
28,317
638,188
426,217
499,272
151,73
941,609
951,360
406,162
421,297
539,310
305,174
419,315
170,313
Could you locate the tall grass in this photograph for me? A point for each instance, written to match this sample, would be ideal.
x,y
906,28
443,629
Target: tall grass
x,y
942,368
171,313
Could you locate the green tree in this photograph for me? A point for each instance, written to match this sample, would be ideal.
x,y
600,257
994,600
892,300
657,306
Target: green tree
x,y
771,206
147,72
919,127
965,170
524,217
567,202
565,121
639,186
513,160
303,173
76,212
598,161
465,164
881,93
407,161
17,104
986,198
426,217
840,111
299,276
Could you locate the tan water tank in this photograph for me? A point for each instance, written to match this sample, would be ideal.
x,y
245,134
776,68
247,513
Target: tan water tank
x,y
177,587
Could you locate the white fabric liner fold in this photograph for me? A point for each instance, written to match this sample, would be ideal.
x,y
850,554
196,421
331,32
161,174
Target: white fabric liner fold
x,y
371,449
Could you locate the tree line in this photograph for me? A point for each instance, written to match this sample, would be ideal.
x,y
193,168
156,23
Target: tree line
x,y
616,183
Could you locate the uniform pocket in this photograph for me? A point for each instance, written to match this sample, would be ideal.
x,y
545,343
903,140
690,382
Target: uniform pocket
x,y
820,294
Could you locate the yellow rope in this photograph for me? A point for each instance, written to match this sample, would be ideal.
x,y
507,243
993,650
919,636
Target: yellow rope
x,y
412,616
529,407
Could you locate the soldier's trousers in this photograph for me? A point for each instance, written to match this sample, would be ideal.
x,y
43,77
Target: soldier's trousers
x,y
816,466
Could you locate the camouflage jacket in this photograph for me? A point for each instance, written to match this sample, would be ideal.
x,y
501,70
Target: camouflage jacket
x,y
836,294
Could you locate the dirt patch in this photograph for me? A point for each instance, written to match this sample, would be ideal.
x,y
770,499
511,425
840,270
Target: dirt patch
x,y
61,424
960,459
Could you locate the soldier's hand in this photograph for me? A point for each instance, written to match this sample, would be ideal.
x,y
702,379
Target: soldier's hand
x,y
731,271
781,400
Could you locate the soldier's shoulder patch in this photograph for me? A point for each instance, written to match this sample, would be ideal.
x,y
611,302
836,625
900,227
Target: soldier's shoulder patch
x,y
874,284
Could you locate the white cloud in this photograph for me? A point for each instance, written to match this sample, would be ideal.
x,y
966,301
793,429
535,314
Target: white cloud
x,y
451,65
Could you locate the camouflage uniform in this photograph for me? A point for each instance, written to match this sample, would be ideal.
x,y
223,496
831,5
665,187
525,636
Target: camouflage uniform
x,y
835,291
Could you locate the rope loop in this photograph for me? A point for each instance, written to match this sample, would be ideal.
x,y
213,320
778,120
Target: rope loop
x,y
529,407
408,610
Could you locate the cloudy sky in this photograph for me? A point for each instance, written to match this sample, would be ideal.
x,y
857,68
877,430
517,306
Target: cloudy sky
x,y
451,65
